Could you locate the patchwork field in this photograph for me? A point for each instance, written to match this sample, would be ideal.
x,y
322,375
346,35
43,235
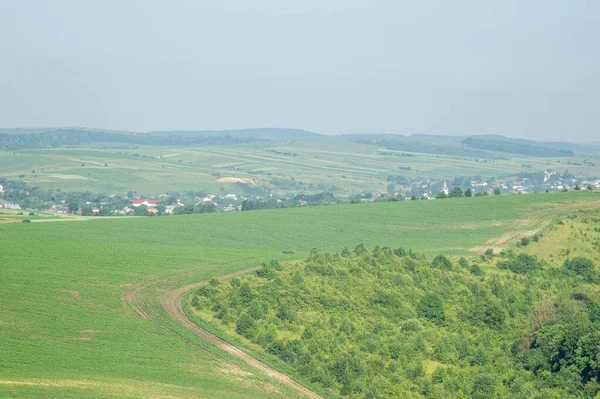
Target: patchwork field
x,y
350,167
67,322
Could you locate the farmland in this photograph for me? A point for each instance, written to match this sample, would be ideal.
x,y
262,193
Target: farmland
x,y
69,329
343,166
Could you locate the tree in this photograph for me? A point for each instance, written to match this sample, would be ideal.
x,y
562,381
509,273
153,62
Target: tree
x,y
87,211
484,386
497,191
170,201
456,192
468,193
105,211
391,188
431,306
206,207
184,210
441,262
580,265
141,210
441,195
589,187
244,325
577,188
73,207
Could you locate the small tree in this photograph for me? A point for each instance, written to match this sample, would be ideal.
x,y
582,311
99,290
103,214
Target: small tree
x,y
244,325
468,192
73,207
441,262
456,192
431,306
580,265
497,191
484,386
141,210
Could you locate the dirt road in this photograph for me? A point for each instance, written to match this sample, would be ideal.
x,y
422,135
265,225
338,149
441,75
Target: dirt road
x,y
172,303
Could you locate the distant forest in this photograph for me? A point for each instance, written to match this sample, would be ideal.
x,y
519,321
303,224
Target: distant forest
x,y
84,137
474,146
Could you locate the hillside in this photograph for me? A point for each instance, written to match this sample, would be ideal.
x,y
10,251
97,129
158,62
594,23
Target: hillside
x,y
389,323
269,134
69,284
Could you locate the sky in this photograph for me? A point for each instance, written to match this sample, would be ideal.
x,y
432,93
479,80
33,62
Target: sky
x,y
527,69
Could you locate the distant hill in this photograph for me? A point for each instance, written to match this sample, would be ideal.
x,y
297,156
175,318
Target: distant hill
x,y
481,146
399,137
85,138
269,134
522,148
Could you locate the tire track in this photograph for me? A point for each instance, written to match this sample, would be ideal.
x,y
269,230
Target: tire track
x,y
171,302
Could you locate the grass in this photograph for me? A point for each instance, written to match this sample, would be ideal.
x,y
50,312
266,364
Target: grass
x,y
68,332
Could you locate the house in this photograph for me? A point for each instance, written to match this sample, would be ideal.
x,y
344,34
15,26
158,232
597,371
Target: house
x,y
1,189
231,196
148,203
9,205
125,210
59,209
95,211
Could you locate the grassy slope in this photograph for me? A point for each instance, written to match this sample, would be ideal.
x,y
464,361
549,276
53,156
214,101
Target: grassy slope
x,y
61,280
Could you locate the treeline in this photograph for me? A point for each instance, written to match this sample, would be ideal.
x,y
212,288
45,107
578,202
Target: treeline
x,y
84,137
323,198
388,323
516,148
32,197
442,148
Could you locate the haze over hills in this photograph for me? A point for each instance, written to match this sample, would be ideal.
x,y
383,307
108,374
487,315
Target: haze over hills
x,y
477,145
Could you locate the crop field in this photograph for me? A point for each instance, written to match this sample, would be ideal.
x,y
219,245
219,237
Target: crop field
x,y
348,166
67,322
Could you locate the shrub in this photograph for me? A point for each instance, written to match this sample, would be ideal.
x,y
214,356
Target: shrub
x,y
431,307
441,262
411,325
244,325
484,386
580,265
26,221
476,270
523,263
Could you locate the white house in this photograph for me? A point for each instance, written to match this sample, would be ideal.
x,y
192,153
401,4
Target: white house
x,y
9,205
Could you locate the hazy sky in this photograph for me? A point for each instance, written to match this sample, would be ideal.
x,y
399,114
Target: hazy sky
x,y
518,68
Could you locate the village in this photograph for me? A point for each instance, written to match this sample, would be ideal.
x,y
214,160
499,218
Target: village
x,y
399,188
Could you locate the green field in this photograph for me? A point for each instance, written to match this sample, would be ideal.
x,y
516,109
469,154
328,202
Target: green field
x,y
350,167
69,331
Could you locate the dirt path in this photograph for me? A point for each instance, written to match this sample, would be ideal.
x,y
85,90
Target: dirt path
x,y
532,222
172,302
